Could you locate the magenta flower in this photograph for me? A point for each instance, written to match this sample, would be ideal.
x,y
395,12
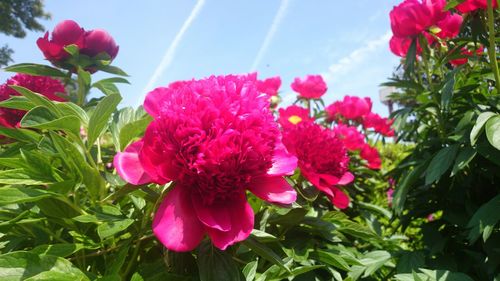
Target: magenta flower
x,y
449,26
269,86
99,41
412,17
372,157
293,115
350,136
472,5
39,84
64,34
322,159
390,196
311,87
351,108
380,124
215,138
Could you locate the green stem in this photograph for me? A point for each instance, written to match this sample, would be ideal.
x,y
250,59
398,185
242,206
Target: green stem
x,y
492,51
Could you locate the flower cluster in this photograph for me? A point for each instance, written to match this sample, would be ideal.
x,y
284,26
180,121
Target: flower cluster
x,y
90,43
51,88
215,138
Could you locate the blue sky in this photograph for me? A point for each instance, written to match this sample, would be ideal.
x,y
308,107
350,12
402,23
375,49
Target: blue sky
x,y
346,41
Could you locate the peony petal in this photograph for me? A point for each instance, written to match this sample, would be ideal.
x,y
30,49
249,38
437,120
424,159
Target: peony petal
x,y
216,216
242,219
339,199
129,167
284,163
175,223
347,178
316,180
153,101
273,189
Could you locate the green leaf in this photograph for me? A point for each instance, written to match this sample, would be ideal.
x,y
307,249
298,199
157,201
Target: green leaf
x,y
35,69
452,4
263,237
17,102
59,250
72,49
410,57
110,228
440,163
493,131
133,130
265,252
463,158
41,117
101,115
15,195
479,126
22,135
401,191
38,99
486,216
29,266
332,259
71,109
113,70
249,270
447,90
216,265
374,260
19,176
444,275
410,261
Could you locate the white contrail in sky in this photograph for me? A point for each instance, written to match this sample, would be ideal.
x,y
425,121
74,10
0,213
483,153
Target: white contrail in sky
x,y
170,52
278,18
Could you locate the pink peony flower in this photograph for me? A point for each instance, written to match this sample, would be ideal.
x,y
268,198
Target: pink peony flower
x,y
466,55
449,26
269,86
99,41
380,124
215,138
322,159
400,46
471,5
350,108
412,17
371,155
311,87
68,33
39,84
64,34
350,136
293,115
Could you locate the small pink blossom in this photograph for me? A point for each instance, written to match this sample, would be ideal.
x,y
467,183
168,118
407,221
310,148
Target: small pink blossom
x,y
372,157
310,87
380,124
350,136
269,86
351,107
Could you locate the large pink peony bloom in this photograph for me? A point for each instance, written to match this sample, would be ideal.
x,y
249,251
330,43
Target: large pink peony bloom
x,y
412,17
269,86
379,124
293,115
215,138
322,158
39,84
449,26
350,108
350,136
311,87
472,5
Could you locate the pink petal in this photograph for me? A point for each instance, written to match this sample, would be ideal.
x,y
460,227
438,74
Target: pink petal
x,y
153,101
316,180
339,199
347,178
241,224
215,216
284,163
129,167
273,189
175,223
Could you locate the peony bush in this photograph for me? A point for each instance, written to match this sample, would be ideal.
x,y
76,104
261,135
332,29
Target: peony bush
x,y
214,179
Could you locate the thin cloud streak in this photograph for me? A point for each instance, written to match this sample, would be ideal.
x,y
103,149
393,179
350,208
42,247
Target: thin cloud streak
x,y
278,18
171,50
356,57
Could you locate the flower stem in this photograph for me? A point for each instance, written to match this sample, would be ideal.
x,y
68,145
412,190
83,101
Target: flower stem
x,y
492,51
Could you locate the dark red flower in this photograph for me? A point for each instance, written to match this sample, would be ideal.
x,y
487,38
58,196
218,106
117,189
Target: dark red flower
x,y
99,41
322,159
39,84
64,34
